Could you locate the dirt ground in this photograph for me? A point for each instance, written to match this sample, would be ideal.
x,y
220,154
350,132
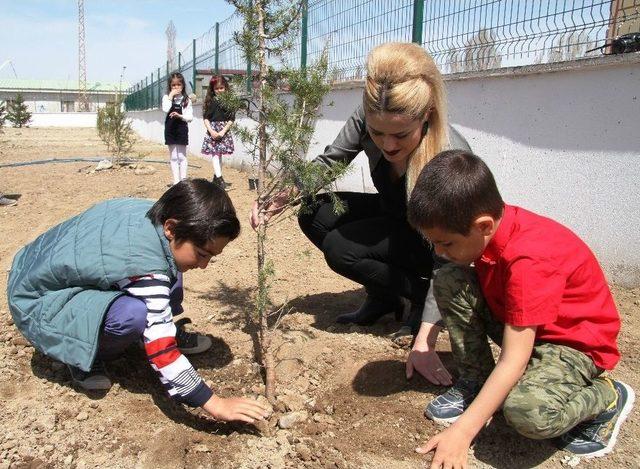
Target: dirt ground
x,y
355,408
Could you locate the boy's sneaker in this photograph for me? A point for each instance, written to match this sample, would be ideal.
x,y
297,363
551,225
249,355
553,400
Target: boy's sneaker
x,y
191,343
597,437
446,408
94,380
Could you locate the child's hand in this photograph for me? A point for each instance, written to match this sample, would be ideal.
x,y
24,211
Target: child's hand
x,y
215,135
173,92
175,114
235,408
451,449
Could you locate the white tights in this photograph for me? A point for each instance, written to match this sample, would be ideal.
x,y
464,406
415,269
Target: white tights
x,y
178,160
217,169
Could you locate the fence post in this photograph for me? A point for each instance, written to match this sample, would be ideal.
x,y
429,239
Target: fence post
x,y
167,69
418,20
159,97
193,83
304,35
148,90
180,62
217,48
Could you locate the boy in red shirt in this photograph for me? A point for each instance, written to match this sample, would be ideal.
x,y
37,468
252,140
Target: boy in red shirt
x,y
537,291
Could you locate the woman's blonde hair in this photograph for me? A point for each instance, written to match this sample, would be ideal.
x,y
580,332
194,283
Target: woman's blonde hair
x,y
402,78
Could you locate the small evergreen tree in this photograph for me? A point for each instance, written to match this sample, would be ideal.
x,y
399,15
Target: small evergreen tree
x,y
114,129
280,140
18,113
3,114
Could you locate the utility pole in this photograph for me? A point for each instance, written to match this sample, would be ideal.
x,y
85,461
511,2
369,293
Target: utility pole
x,y
83,103
171,45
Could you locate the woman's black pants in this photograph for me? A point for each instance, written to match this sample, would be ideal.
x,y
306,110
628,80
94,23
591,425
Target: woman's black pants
x,y
374,249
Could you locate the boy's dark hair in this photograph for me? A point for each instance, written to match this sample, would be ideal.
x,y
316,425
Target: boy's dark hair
x,y
452,190
203,211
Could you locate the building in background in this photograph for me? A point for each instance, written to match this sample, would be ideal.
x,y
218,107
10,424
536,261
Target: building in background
x,y
52,96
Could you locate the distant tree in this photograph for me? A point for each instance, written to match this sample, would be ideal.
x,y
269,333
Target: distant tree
x,y
114,128
18,113
3,114
481,52
570,46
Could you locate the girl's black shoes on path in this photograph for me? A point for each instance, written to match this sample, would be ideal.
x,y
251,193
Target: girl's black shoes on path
x,y
221,182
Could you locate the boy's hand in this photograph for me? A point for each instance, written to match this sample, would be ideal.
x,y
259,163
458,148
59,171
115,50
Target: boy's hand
x,y
451,449
235,408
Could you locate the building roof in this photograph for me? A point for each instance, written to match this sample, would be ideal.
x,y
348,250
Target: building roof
x,y
56,85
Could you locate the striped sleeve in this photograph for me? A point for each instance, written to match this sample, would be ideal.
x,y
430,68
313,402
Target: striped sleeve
x,y
178,376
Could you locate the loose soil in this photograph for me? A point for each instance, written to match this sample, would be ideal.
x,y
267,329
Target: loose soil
x,y
356,408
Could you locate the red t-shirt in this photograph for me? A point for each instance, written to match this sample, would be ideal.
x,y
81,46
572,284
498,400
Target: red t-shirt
x,y
536,272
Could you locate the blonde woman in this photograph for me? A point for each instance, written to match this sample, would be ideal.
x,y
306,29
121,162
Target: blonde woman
x,y
400,126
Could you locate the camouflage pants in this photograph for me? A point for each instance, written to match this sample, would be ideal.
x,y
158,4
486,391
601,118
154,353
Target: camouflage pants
x,y
561,386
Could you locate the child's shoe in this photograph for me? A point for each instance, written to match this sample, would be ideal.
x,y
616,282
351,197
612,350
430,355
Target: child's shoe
x,y
191,343
221,182
597,437
7,202
446,408
94,380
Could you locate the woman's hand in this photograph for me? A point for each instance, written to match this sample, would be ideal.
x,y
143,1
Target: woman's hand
x,y
275,206
429,365
451,449
235,408
424,359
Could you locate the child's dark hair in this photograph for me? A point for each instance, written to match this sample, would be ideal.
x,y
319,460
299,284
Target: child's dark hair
x,y
203,211
180,77
211,94
452,190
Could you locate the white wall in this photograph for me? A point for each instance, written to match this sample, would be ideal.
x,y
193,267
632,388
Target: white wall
x,y
564,142
63,119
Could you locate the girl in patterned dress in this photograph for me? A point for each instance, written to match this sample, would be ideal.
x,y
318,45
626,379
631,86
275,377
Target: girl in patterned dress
x,y
217,121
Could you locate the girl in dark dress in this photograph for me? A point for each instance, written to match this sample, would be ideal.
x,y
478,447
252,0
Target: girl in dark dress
x,y
179,111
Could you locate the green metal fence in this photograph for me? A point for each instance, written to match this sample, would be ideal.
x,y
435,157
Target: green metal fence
x,y
469,35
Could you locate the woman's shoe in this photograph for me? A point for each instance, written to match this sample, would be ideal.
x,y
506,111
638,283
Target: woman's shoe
x,y
373,308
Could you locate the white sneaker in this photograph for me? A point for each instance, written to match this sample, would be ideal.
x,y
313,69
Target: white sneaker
x,y
6,202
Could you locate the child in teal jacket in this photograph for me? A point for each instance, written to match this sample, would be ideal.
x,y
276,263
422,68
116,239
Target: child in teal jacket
x,y
86,289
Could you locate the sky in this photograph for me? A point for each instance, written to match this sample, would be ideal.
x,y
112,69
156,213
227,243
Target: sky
x,y
40,37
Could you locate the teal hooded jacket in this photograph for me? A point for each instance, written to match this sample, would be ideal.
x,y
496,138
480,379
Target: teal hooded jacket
x,y
62,284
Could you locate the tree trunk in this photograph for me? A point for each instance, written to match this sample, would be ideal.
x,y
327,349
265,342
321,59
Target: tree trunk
x,y
265,334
